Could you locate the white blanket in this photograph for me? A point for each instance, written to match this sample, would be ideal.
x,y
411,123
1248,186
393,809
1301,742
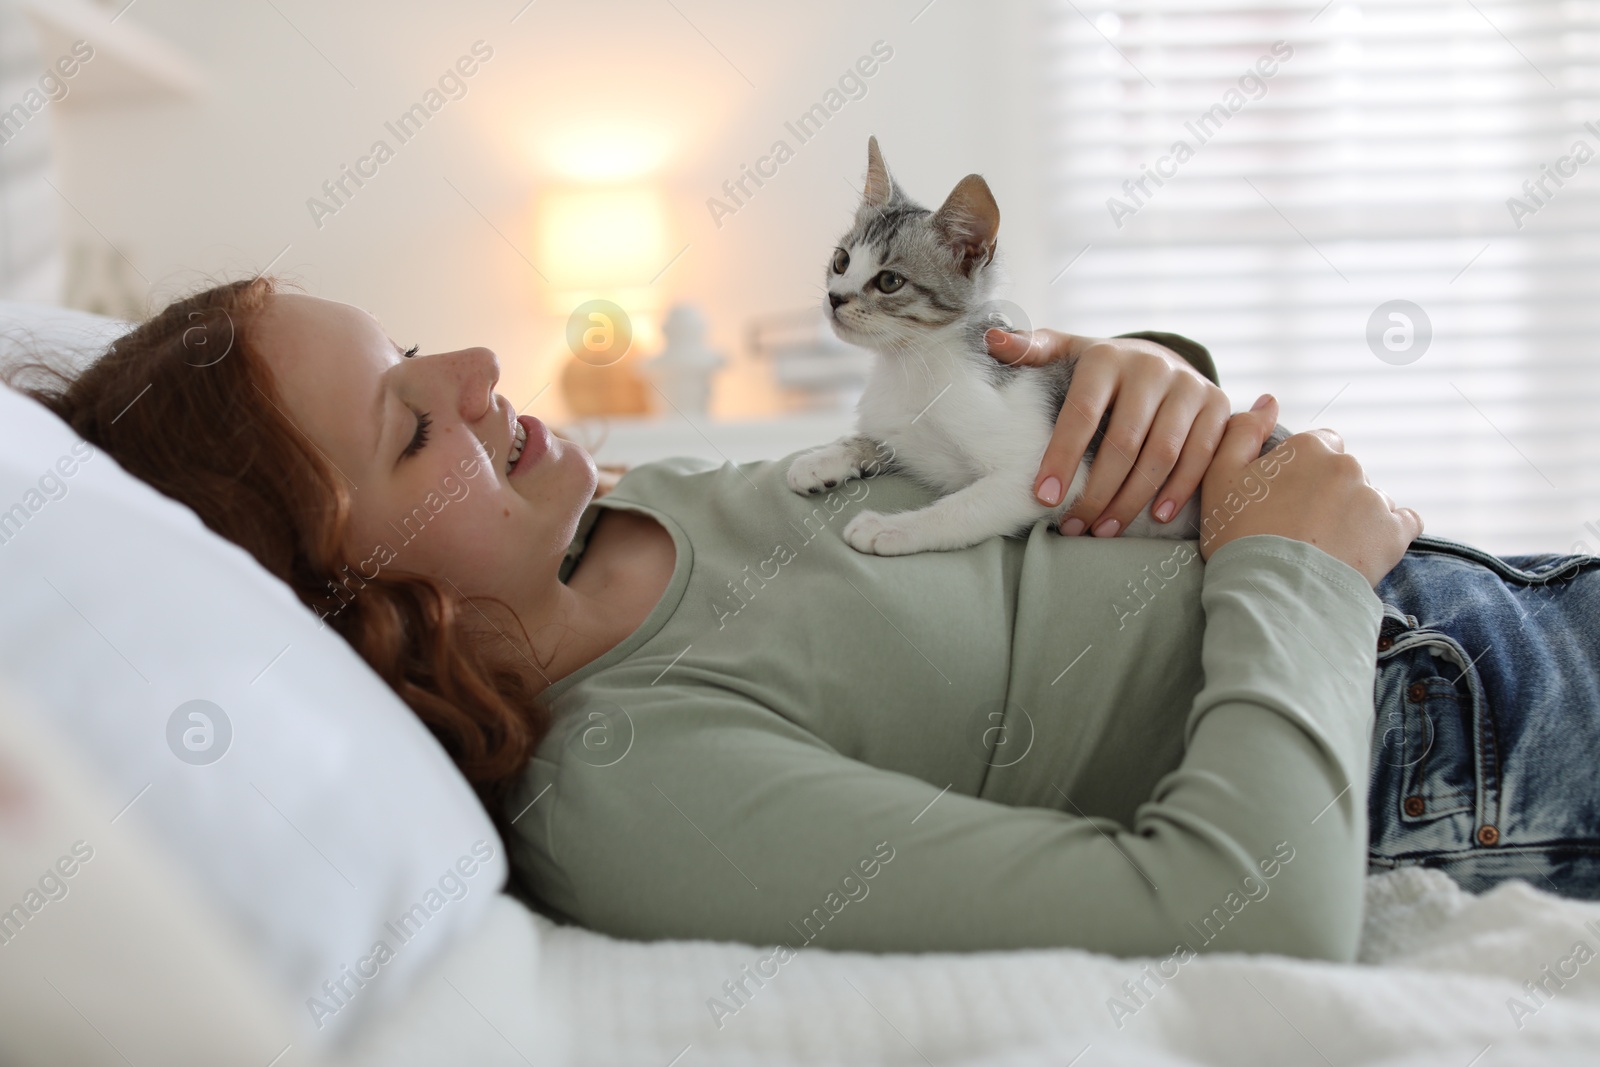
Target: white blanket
x,y
1440,976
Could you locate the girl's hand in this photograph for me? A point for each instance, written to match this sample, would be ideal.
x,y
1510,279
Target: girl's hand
x,y
1166,422
1307,488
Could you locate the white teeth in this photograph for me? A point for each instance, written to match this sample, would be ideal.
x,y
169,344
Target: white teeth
x,y
519,440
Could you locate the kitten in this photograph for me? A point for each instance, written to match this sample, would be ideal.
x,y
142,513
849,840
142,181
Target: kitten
x,y
914,286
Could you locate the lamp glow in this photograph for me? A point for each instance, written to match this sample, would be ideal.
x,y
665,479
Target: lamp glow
x,y
602,239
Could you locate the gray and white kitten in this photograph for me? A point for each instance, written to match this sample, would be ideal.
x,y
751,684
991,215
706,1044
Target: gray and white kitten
x,y
914,286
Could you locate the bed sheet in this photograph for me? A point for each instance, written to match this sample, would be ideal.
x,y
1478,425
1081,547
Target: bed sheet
x,y
1440,982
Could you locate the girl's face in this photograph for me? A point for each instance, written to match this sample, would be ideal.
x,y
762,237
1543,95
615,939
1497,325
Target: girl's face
x,y
423,443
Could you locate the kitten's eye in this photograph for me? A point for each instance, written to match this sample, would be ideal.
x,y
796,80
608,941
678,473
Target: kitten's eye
x,y
841,261
888,281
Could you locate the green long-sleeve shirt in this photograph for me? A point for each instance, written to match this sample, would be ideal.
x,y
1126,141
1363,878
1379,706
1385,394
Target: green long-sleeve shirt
x,y
1103,743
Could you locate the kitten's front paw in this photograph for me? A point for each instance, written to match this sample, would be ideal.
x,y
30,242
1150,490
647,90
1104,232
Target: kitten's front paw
x,y
819,469
880,535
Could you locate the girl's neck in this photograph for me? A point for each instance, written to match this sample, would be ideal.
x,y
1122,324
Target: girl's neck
x,y
624,571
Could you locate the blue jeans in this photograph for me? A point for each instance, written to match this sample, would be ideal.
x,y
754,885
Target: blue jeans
x,y
1486,743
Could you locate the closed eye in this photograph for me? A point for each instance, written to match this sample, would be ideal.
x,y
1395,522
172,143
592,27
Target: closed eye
x,y
420,438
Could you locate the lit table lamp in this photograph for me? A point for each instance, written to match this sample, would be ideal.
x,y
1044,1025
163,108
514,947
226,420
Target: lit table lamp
x,y
602,247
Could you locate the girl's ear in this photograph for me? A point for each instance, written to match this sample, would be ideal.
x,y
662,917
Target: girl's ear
x,y
969,220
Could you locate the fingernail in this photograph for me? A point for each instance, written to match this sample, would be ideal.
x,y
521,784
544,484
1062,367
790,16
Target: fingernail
x,y
1072,527
1050,491
1107,528
996,336
1262,402
1163,511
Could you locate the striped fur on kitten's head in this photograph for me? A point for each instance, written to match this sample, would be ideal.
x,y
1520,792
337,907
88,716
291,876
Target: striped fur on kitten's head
x,y
903,270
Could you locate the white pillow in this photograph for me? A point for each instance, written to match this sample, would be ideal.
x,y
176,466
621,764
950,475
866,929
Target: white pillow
x,y
119,930
330,820
33,329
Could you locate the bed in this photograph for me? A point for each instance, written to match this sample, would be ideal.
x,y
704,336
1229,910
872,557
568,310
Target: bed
x,y
164,954
1440,983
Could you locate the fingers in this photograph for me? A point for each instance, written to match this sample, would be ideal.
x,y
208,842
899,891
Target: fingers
x,y
1411,523
1087,398
1012,349
1028,348
1205,433
1114,463
1245,433
1175,426
1329,437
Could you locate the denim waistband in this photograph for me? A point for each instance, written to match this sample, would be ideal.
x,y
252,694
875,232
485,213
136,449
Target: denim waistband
x,y
1487,716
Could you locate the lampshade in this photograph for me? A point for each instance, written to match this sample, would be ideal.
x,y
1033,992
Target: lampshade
x,y
599,239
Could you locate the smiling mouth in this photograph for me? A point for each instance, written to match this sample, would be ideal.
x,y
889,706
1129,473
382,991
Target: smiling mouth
x,y
519,441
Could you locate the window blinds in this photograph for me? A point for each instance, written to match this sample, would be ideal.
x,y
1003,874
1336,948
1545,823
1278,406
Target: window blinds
x,y
1271,178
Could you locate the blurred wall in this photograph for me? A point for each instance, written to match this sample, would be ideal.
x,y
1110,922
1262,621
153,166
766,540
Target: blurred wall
x,y
440,244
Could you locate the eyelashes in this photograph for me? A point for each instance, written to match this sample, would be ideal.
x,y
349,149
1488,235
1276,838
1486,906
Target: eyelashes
x,y
420,438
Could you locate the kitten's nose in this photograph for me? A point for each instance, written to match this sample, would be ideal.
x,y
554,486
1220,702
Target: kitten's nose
x,y
835,299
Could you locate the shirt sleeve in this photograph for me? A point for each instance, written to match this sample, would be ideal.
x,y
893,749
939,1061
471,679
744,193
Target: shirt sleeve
x,y
1197,355
725,821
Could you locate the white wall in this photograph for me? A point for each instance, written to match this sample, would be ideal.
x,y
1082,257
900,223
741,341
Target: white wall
x,y
218,185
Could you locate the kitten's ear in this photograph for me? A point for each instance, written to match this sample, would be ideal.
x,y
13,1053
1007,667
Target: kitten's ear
x,y
969,220
880,187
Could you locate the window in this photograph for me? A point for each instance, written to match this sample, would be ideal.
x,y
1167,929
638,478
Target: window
x,y
1269,177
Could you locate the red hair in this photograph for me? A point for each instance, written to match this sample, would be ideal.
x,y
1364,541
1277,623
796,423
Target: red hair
x,y
185,402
